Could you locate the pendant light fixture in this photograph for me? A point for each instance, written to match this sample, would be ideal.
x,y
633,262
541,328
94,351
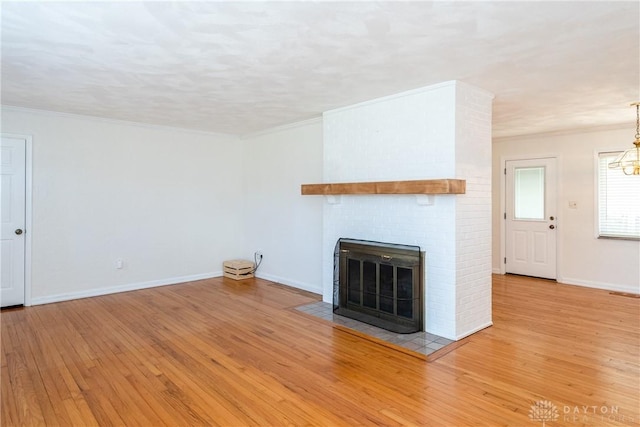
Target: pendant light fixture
x,y
629,161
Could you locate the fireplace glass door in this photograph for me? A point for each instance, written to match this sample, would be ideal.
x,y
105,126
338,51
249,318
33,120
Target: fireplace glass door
x,y
380,284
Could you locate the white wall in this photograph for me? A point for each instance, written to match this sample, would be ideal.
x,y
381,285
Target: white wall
x,y
278,220
582,258
174,204
164,200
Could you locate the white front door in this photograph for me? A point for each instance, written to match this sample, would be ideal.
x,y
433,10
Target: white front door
x,y
12,207
531,218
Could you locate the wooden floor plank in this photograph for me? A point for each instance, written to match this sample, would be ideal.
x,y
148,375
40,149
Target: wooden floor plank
x,y
235,353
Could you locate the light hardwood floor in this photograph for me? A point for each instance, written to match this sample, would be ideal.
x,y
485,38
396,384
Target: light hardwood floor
x,y
221,352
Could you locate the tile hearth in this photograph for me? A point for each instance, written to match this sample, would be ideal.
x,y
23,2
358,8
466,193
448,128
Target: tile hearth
x,y
420,342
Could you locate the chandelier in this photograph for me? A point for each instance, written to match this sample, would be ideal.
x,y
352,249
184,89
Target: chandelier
x,y
629,161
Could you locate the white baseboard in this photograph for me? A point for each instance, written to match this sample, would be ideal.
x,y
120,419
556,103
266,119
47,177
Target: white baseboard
x,y
474,330
599,285
496,271
294,284
122,288
591,284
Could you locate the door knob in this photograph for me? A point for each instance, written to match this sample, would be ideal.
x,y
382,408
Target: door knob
x,y
18,231
552,226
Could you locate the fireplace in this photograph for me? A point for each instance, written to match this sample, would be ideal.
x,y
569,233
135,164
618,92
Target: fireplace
x,y
380,284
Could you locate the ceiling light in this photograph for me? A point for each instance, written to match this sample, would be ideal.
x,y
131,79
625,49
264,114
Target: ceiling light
x,y
629,161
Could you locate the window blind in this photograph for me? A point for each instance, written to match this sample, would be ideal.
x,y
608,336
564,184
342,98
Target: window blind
x,y
618,200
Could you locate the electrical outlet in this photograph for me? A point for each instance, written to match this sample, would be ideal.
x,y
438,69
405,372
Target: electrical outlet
x,y
258,254
118,264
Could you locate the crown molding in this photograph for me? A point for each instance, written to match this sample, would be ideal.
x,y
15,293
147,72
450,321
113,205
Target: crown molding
x,y
27,110
561,132
281,128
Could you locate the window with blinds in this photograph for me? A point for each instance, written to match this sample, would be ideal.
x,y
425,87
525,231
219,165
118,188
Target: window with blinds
x,y
618,201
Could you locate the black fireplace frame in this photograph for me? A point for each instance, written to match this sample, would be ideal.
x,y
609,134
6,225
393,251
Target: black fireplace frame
x,y
351,254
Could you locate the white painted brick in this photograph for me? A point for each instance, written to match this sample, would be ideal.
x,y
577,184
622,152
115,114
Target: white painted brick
x,y
439,132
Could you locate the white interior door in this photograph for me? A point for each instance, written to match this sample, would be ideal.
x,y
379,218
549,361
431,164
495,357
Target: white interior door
x,y
531,220
12,208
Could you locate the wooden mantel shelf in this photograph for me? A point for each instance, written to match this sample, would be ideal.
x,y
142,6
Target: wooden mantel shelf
x,y
425,186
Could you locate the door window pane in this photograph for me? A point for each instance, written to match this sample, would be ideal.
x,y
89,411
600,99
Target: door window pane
x,y
529,193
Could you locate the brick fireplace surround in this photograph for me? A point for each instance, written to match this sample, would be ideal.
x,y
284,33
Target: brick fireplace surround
x,y
437,132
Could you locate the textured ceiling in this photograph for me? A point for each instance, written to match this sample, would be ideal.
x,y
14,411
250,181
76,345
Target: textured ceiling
x,y
241,67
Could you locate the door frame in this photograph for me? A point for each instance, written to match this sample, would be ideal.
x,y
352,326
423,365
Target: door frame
x,y
503,206
28,184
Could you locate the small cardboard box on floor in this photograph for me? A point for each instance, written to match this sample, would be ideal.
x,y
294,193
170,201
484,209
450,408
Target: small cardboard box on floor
x,y
238,269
